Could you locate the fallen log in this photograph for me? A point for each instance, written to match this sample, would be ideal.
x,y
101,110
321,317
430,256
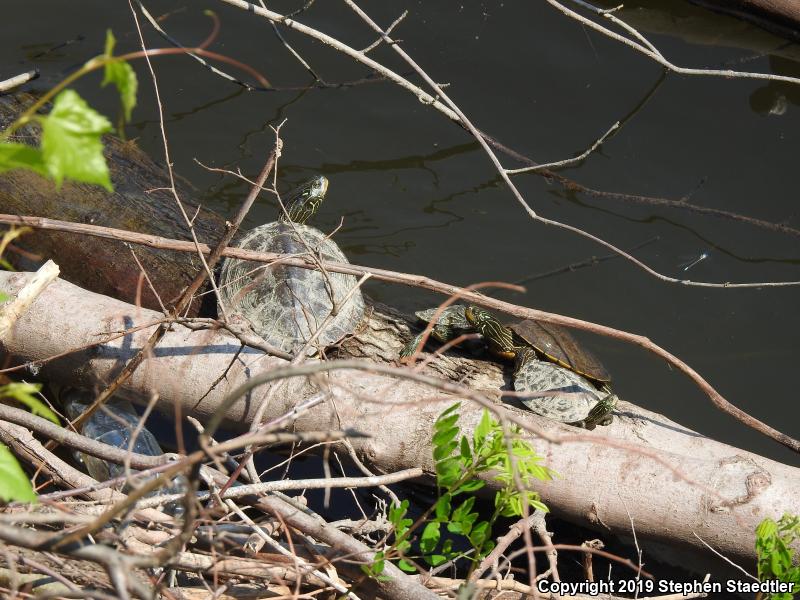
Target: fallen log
x,y
675,486
140,202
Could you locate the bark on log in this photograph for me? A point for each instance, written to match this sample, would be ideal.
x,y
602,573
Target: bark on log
x,y
139,202
608,478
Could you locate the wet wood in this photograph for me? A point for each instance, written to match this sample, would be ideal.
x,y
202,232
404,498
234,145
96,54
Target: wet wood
x,y
139,203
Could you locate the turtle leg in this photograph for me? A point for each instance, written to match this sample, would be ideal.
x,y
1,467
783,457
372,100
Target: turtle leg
x,y
523,356
411,346
601,413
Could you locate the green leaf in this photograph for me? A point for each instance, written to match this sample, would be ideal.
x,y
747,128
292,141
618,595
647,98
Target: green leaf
x,y
464,509
71,141
3,296
122,75
442,508
442,452
435,559
24,394
445,423
480,532
483,428
466,453
448,472
450,410
14,484
21,156
445,436
406,566
396,513
430,537
470,486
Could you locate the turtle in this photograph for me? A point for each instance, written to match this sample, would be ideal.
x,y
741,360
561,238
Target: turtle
x,y
285,304
563,395
526,339
577,371
450,324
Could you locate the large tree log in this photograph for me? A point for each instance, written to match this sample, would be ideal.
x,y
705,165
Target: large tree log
x,y
140,202
670,482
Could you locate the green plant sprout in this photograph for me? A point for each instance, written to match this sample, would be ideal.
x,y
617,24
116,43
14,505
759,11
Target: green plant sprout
x,y
459,463
14,483
776,558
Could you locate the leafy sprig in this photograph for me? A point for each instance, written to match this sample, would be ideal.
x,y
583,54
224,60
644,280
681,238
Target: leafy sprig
x,y
460,464
775,554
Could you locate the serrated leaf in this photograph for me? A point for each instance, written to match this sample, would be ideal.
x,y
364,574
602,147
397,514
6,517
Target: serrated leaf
x,y
430,537
21,156
122,75
71,141
14,484
24,394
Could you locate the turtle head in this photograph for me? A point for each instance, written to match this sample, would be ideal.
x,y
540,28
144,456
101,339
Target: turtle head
x,y
497,335
478,317
304,200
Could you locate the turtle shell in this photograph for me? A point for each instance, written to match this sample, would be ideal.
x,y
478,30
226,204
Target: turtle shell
x,y
559,346
576,395
287,304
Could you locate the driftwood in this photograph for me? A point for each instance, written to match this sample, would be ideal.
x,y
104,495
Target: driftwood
x,y
674,485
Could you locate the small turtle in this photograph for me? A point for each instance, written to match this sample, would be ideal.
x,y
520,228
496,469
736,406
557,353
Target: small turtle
x,y
563,395
557,345
549,341
285,304
563,372
450,324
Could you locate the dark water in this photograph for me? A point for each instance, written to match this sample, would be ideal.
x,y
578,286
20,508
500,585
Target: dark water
x,y
418,195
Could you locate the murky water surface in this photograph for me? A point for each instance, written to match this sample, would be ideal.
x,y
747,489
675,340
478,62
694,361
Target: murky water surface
x,y
417,194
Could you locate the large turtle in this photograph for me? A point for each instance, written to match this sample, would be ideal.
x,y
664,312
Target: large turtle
x,y
285,304
450,324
